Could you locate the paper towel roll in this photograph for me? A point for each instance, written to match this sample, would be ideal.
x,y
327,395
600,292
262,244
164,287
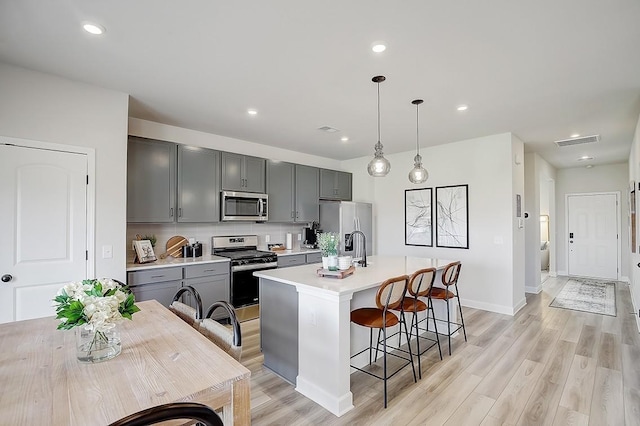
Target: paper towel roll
x,y
289,243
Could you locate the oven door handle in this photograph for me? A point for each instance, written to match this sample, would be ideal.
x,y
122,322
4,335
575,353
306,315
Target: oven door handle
x,y
254,267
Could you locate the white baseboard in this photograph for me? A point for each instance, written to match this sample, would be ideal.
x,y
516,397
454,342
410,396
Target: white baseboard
x,y
499,309
635,308
533,290
563,273
624,279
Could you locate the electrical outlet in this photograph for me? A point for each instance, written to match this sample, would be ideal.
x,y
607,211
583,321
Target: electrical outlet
x,y
299,237
267,238
312,318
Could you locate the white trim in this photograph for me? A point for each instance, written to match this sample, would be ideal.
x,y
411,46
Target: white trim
x,y
624,280
618,227
533,290
91,187
499,309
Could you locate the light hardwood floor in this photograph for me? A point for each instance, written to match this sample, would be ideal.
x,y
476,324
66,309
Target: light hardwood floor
x,y
543,366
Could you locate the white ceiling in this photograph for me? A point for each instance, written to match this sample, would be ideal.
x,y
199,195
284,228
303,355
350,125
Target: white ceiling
x,y
541,69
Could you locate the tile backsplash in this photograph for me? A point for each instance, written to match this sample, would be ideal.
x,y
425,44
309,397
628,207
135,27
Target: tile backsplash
x,y
203,232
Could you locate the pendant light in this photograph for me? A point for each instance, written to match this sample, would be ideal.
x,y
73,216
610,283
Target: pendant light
x,y
379,166
418,174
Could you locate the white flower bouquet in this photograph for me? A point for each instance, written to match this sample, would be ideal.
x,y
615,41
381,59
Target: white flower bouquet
x,y
96,304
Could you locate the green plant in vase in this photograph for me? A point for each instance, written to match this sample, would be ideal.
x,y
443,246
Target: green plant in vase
x,y
328,244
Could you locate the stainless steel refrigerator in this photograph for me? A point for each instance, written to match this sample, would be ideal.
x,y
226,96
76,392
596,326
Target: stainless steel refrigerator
x,y
344,217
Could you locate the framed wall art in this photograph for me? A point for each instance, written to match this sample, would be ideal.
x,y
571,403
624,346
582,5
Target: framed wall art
x,y
144,251
452,216
418,217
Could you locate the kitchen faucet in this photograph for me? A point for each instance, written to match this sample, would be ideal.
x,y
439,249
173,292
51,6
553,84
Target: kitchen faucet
x,y
349,242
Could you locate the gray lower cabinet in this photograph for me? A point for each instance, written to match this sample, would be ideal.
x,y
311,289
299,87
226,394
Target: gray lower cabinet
x,y
314,257
151,181
243,173
293,192
285,261
198,184
211,280
335,185
291,260
279,328
160,284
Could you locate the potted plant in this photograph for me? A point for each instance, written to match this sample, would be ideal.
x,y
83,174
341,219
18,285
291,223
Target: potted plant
x,y
328,244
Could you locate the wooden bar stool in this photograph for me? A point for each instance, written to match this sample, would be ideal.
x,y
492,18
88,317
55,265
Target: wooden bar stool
x,y
389,296
450,278
420,285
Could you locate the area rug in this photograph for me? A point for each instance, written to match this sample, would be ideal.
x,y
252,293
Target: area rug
x,y
579,294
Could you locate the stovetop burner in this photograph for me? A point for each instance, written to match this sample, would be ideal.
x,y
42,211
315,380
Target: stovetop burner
x,y
241,250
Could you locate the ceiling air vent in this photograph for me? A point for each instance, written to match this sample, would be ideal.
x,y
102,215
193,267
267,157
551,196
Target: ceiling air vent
x,y
578,141
328,129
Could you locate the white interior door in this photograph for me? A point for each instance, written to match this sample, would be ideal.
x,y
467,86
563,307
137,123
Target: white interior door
x,y
593,235
43,228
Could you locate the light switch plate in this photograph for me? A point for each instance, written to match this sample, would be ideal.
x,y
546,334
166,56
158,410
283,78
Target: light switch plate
x,y
107,252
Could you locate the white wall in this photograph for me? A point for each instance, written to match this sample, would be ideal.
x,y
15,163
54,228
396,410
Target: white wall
x,y
634,258
165,132
517,224
47,108
539,183
607,178
492,277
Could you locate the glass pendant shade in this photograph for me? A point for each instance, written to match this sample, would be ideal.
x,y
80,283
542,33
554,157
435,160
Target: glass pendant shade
x,y
418,174
379,166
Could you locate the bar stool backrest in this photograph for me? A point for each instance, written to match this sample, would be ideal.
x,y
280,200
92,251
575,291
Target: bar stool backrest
x,y
189,314
421,281
451,273
391,292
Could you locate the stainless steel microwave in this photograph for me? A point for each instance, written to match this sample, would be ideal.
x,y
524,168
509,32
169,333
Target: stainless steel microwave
x,y
246,206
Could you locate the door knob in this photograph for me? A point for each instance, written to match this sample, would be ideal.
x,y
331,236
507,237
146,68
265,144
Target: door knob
x,y
6,278
638,265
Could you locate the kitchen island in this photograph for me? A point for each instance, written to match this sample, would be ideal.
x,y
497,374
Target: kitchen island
x,y
306,331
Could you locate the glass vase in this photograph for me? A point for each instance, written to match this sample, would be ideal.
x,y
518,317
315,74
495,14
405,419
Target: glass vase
x,y
333,260
97,346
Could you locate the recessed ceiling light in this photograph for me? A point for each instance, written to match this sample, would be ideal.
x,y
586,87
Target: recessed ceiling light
x,y
344,139
462,107
585,157
378,47
575,135
94,29
252,112
588,166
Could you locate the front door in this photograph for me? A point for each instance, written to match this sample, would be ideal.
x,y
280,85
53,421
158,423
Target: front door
x,y
593,235
43,230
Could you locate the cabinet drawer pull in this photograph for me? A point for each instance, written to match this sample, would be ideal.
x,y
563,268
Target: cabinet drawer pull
x,y
157,276
209,270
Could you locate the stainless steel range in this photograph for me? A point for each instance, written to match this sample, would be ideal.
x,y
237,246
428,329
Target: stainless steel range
x,y
245,260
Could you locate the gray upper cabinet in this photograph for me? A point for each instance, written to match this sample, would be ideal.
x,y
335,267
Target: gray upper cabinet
x,y
198,184
243,173
306,190
335,185
293,192
151,181
280,188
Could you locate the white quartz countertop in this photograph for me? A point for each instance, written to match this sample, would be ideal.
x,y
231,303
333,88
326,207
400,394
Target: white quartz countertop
x,y
379,269
175,261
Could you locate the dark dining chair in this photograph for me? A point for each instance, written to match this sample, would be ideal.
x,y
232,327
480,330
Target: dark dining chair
x,y
190,314
172,411
229,339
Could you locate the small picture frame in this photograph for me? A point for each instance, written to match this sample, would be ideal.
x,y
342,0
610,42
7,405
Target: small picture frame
x,y
144,251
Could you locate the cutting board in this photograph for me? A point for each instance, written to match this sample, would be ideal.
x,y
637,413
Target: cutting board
x,y
174,246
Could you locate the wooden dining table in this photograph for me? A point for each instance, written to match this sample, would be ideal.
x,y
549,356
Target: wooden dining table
x,y
163,360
